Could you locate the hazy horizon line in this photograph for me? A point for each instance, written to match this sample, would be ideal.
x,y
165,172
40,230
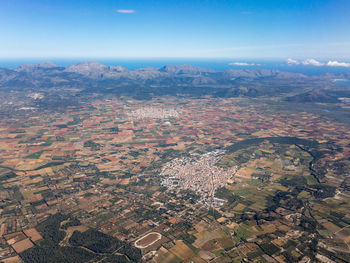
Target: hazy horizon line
x,y
172,58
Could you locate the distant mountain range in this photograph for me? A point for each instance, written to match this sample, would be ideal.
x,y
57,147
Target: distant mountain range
x,y
93,77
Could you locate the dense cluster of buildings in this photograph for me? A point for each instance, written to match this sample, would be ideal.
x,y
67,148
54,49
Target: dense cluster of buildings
x,y
199,174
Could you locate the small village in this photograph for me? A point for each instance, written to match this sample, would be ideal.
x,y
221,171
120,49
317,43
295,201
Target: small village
x,y
200,175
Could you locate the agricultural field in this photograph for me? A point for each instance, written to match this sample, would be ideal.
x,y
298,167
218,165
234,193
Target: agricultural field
x,y
177,180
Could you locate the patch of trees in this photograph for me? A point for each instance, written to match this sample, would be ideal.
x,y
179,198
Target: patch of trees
x,y
166,144
188,238
308,246
235,92
134,153
95,241
335,256
263,177
289,258
167,155
213,212
324,191
115,259
339,217
93,145
283,140
242,158
283,199
113,130
56,254
48,165
224,193
308,224
269,248
7,176
190,196
73,222
53,102
50,229
16,193
252,255
293,181
261,217
49,250
99,242
339,167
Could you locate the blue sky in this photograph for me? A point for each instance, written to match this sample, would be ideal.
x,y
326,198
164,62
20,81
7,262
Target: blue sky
x,y
175,28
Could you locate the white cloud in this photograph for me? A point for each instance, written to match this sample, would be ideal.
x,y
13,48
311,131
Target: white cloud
x,y
307,62
312,62
126,11
338,64
291,61
242,64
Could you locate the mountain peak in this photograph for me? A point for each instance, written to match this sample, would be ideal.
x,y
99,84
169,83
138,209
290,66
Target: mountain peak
x,y
95,69
185,69
85,66
31,67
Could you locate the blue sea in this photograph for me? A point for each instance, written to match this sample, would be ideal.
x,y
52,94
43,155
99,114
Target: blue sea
x,y
216,64
343,82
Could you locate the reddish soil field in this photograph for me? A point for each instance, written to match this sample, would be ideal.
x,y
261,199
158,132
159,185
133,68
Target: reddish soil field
x,y
22,245
33,234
